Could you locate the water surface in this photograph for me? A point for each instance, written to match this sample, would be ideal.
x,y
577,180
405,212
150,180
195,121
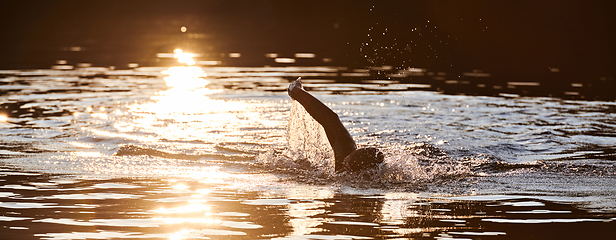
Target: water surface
x,y
170,153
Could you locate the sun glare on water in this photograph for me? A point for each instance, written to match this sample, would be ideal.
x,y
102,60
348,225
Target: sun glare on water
x,y
187,78
174,127
184,57
185,110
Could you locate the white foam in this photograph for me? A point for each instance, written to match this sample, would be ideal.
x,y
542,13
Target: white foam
x,y
307,149
308,152
307,140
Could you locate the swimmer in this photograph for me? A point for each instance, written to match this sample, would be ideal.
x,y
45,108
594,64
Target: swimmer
x,y
347,156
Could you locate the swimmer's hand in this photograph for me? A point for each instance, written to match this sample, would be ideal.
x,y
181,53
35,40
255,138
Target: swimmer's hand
x,y
296,84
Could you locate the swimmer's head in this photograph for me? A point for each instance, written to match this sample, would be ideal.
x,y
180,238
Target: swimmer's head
x,y
363,159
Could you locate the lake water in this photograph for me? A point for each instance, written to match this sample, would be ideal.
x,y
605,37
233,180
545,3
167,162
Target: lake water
x,y
169,153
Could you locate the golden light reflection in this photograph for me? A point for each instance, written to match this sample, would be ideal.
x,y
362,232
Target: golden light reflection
x,y
303,220
204,175
186,101
186,78
307,192
80,144
203,191
211,175
207,221
187,214
182,234
398,207
192,208
121,135
88,154
303,214
100,115
180,187
3,118
184,57
183,112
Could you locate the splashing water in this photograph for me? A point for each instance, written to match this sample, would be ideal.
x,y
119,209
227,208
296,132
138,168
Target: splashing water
x,y
307,139
308,152
402,165
455,166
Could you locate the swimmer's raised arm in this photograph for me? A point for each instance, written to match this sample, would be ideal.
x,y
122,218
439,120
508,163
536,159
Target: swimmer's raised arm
x,y
339,138
347,156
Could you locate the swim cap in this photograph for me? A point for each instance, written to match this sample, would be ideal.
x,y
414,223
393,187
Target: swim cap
x,y
363,159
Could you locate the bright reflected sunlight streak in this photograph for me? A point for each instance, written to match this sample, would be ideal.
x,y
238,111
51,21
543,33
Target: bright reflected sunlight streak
x,y
193,114
80,144
184,111
119,135
191,208
190,78
180,187
183,57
